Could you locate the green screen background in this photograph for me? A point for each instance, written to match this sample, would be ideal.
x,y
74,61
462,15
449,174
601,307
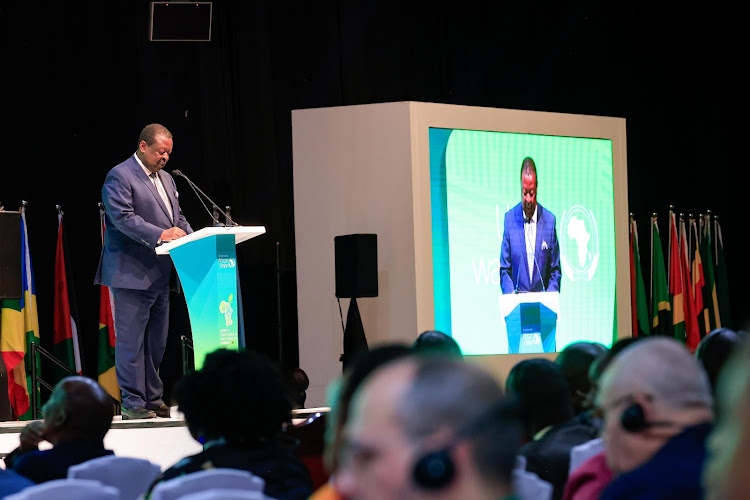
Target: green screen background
x,y
475,179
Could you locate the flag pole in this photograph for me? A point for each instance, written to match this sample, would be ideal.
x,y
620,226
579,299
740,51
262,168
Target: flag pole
x,y
651,274
669,248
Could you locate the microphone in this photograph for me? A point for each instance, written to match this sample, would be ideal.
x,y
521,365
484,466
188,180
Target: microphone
x,y
518,277
197,190
541,278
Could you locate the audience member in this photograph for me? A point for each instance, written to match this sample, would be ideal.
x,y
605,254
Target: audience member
x,y
543,393
341,395
602,362
77,416
726,472
575,361
657,407
587,482
433,342
245,432
428,428
715,349
296,382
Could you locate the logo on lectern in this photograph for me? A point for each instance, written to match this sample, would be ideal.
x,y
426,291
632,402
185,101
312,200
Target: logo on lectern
x,y
226,263
225,308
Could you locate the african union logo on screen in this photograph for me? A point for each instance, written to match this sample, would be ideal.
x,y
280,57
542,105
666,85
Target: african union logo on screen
x,y
579,244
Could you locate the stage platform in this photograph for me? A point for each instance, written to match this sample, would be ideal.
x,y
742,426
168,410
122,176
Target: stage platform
x,y
163,441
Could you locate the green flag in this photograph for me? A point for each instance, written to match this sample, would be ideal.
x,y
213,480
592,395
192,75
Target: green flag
x,y
639,301
724,316
676,281
661,311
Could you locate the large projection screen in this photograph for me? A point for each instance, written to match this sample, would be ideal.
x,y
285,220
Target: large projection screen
x,y
470,159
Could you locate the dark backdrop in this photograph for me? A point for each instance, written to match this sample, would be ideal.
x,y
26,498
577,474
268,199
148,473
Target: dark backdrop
x,y
80,80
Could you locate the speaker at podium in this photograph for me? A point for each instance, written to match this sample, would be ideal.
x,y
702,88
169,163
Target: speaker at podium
x,y
530,321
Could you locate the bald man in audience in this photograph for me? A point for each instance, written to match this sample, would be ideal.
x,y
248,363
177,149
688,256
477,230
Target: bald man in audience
x,y
431,428
77,416
657,407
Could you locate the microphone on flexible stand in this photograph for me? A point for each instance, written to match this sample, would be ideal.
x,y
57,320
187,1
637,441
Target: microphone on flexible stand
x,y
197,190
541,278
215,215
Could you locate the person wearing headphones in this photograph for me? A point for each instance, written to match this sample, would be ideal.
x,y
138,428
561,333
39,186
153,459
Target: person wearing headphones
x,y
428,427
658,411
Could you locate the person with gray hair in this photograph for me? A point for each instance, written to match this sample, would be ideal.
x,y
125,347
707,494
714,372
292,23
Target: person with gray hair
x,y
657,406
428,428
77,416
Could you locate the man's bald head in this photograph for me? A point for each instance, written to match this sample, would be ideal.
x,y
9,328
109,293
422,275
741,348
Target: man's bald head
x,y
658,378
78,409
662,368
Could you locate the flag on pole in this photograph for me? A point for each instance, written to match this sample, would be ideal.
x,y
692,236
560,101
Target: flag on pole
x,y
19,328
696,274
692,334
710,303
638,299
722,277
66,346
661,311
105,366
676,288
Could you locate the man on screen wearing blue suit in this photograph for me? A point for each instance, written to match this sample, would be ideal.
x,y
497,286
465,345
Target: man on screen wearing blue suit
x,y
530,254
142,212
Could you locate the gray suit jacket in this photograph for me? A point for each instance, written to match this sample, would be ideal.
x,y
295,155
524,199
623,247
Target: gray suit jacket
x,y
135,219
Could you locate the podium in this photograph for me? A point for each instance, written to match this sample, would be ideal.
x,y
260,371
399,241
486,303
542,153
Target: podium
x,y
206,262
530,321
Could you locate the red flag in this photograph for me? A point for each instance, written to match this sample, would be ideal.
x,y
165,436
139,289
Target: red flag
x,y
65,331
692,334
676,287
696,273
106,358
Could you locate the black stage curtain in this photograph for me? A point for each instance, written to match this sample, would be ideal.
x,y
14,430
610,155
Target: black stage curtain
x,y
80,80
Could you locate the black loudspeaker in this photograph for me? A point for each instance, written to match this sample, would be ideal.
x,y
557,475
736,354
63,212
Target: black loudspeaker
x,y
181,21
435,470
633,419
10,256
356,265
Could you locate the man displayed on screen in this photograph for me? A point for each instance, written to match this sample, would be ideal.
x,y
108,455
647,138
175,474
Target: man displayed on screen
x,y
530,254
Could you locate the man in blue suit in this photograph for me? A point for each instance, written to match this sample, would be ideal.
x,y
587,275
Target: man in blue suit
x,y
142,212
530,255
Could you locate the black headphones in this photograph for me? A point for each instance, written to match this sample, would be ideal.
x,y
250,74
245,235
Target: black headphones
x,y
633,419
435,470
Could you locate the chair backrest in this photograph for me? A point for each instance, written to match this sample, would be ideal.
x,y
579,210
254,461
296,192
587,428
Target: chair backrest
x,y
529,486
207,479
132,476
582,452
68,489
226,494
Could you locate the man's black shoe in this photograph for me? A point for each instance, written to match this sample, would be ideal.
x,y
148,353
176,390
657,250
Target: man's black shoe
x,y
136,413
163,411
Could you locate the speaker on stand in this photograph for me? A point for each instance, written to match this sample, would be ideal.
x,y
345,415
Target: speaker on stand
x,y
356,277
